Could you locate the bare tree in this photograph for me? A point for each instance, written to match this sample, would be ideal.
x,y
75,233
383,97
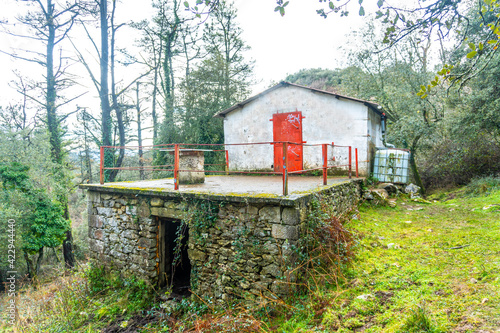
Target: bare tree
x,y
49,23
111,97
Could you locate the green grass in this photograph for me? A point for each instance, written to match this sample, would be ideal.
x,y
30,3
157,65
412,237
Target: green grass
x,y
419,268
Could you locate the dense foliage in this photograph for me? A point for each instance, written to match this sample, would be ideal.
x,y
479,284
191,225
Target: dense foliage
x,y
30,194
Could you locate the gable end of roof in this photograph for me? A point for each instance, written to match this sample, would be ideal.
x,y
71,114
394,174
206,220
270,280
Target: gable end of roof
x,y
373,106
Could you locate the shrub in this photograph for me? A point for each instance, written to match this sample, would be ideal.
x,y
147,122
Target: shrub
x,y
453,163
96,278
330,246
482,186
136,292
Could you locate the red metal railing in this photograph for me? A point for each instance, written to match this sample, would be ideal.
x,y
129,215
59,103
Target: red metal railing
x,y
175,149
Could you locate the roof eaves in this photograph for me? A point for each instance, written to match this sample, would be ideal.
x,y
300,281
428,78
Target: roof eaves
x,y
374,106
223,113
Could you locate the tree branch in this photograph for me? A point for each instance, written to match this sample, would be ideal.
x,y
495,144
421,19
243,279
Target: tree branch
x,y
39,62
82,60
70,100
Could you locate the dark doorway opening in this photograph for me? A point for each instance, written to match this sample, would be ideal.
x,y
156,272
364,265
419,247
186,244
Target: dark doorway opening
x,y
174,265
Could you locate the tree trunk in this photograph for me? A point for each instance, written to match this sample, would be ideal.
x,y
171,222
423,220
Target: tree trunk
x,y
413,165
55,255
416,174
139,134
53,125
121,138
88,164
69,257
153,107
115,105
39,261
29,266
104,90
50,98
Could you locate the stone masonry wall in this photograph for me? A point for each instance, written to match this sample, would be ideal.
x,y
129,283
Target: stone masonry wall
x,y
249,248
122,232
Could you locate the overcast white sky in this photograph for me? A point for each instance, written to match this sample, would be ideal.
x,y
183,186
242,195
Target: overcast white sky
x,y
279,45
300,39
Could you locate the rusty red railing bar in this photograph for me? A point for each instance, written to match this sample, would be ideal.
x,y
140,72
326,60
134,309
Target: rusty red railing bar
x,y
166,170
176,167
324,149
227,162
227,144
164,165
314,169
285,172
304,171
313,144
231,172
285,168
137,147
222,144
251,172
101,169
238,172
356,154
125,168
215,144
137,168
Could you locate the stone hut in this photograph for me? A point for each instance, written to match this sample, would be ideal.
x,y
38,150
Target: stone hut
x,y
218,246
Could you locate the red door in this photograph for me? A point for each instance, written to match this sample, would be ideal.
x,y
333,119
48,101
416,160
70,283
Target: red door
x,y
288,127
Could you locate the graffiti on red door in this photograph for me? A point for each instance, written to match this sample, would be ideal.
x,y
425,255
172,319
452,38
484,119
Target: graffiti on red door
x,y
287,127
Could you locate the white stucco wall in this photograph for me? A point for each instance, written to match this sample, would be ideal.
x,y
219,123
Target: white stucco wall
x,y
327,119
374,132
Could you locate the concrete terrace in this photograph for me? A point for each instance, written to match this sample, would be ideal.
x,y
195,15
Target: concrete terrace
x,y
228,186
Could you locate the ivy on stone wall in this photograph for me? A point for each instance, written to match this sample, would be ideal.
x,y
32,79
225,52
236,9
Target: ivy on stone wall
x,y
201,216
326,245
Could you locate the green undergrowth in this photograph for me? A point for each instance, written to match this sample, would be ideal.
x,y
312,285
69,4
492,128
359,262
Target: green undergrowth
x,y
88,300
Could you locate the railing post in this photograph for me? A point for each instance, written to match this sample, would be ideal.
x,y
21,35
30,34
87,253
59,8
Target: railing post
x,y
285,168
325,163
350,162
101,166
227,162
176,167
356,154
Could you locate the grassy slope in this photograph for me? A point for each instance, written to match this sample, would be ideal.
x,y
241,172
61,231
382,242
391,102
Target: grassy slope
x,y
435,265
